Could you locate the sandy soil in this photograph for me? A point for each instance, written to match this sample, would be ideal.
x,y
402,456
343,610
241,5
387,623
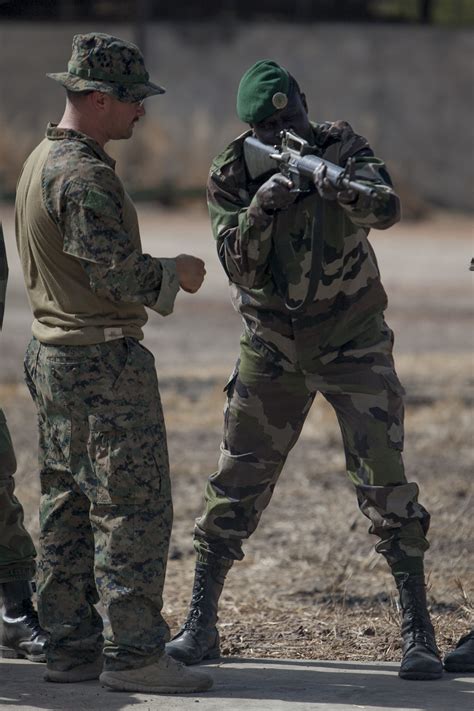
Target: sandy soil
x,y
310,585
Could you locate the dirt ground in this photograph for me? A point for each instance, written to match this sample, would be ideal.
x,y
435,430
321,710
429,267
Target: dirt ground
x,y
310,585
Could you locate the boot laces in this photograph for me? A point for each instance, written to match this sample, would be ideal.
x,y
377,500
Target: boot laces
x,y
197,596
31,618
208,581
418,623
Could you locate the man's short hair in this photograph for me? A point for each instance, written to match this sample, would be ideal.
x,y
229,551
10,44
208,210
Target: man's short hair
x,y
71,95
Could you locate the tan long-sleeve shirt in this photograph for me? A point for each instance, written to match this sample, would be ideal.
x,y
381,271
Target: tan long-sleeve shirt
x,y
79,244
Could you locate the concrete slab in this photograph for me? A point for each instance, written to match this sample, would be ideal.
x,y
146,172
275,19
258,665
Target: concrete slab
x,y
252,685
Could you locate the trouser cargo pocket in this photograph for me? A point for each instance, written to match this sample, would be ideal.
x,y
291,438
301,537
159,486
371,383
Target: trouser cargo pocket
x,y
128,457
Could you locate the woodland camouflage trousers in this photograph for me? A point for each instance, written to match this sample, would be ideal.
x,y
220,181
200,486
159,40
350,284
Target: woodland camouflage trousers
x,y
17,552
266,407
105,510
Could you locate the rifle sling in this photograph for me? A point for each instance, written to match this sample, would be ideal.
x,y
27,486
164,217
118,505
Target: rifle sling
x,y
316,263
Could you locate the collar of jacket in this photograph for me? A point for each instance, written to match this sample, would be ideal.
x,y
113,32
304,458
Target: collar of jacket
x,y
58,134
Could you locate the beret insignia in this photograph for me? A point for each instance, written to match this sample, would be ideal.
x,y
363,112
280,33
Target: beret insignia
x,y
279,100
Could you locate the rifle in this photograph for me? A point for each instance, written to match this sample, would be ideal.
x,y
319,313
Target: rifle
x,y
296,160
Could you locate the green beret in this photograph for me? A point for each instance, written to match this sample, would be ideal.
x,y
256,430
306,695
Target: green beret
x,y
263,90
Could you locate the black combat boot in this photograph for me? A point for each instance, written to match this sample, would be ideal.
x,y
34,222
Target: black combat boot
x,y
20,633
198,638
421,658
461,659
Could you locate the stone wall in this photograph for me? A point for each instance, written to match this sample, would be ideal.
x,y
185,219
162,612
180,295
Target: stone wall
x,y
407,88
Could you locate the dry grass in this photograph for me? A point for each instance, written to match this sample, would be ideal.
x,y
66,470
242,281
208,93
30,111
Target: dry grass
x,y
311,585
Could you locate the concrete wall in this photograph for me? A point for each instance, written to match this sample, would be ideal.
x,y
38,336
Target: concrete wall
x,y
408,89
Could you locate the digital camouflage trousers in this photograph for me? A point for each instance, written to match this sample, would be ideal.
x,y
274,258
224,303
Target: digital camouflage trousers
x,y
17,552
266,407
105,510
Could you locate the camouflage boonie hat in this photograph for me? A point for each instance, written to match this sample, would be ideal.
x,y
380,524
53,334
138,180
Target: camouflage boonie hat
x,y
100,62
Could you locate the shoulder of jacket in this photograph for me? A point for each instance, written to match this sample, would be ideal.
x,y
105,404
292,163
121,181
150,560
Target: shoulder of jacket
x,y
77,157
74,173
331,131
85,168
229,155
337,141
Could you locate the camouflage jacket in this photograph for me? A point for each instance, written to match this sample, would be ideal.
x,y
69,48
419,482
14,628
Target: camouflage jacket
x,y
305,279
79,244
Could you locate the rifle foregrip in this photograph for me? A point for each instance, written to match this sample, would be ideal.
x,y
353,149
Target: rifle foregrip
x,y
361,189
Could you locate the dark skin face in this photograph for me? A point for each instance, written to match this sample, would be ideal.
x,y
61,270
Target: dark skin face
x,y
293,117
275,193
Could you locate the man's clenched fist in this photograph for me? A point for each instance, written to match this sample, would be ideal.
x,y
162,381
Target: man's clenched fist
x,y
190,271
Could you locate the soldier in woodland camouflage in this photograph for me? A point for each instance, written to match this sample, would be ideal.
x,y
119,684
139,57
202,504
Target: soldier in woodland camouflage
x,y
106,511
305,280
20,633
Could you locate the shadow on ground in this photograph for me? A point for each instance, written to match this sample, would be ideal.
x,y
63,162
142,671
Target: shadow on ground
x,y
251,684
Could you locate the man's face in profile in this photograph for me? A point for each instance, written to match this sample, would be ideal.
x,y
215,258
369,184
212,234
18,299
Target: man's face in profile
x,y
122,116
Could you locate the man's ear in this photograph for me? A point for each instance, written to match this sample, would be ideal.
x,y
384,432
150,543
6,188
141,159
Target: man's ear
x,y
99,100
304,102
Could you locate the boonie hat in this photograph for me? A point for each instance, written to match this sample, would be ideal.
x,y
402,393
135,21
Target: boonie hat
x,y
100,62
263,90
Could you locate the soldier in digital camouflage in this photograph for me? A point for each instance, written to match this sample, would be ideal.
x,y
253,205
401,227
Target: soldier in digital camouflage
x,y
106,510
20,633
305,280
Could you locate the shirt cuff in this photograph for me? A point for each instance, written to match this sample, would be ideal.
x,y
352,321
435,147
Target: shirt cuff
x,y
169,288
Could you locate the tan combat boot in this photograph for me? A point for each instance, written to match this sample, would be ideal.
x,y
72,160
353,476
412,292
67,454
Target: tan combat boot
x,y
166,676
82,672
